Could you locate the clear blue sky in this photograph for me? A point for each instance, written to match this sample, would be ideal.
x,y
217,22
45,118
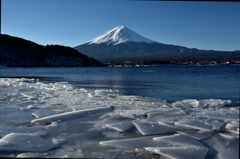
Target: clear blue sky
x,y
202,25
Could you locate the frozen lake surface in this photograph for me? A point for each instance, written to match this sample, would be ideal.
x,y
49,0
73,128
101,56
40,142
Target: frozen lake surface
x,y
150,112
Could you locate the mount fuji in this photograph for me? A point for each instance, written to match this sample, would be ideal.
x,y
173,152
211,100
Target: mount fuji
x,y
119,35
122,44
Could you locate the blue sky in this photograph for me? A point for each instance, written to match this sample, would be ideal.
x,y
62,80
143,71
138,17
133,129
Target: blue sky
x,y
202,25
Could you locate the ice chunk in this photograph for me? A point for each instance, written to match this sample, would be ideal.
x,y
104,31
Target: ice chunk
x,y
41,132
43,113
12,116
126,113
214,102
149,129
41,106
110,134
196,134
67,151
33,155
90,95
178,140
25,142
194,124
229,136
180,152
225,148
216,125
58,141
31,107
71,115
165,114
30,94
235,131
25,103
227,117
103,92
225,114
123,126
232,125
134,143
6,131
186,103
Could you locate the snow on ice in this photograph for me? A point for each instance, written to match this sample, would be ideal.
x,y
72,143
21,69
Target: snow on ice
x,y
60,120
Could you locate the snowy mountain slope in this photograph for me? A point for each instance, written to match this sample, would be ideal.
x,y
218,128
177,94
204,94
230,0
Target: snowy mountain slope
x,y
122,44
119,35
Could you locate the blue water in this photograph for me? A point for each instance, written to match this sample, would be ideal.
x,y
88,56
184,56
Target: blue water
x,y
172,83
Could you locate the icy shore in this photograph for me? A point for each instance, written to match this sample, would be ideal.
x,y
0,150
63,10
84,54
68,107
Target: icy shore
x,y
59,120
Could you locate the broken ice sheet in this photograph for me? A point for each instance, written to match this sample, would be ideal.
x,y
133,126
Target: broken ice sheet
x,y
149,128
45,112
15,142
178,140
67,151
134,143
216,125
232,125
122,126
196,134
127,113
41,132
103,92
214,102
12,116
229,136
194,124
71,115
223,148
110,134
186,103
33,155
5,131
225,114
165,114
30,94
180,152
232,117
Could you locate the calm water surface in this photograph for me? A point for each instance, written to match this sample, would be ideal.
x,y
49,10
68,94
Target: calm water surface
x,y
166,82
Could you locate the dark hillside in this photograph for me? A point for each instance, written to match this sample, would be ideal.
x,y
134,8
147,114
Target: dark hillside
x,y
23,53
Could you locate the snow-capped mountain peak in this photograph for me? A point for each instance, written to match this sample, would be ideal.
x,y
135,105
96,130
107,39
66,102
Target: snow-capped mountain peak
x,y
119,35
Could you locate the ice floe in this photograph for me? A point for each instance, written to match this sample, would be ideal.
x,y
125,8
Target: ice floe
x,y
216,125
179,152
225,148
71,115
134,143
195,124
5,131
122,126
178,140
15,142
196,134
151,129
33,155
214,102
163,114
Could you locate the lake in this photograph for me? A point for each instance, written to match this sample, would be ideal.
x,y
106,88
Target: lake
x,y
172,83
